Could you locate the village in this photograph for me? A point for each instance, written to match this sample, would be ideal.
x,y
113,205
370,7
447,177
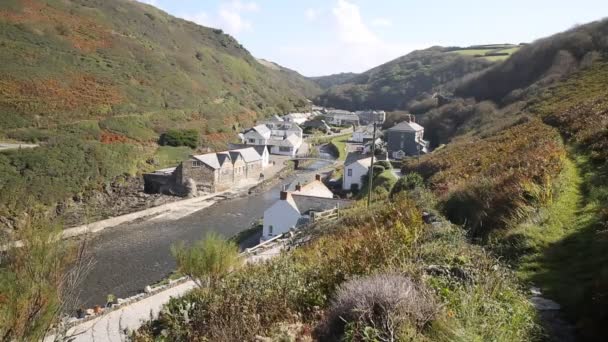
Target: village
x,y
264,149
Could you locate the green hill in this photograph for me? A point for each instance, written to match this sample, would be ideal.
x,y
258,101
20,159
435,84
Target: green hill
x,y
525,167
81,60
295,80
396,84
97,83
329,81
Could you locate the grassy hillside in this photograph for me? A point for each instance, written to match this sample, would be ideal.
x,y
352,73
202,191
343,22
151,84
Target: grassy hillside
x,y
74,60
398,84
527,175
304,85
98,82
329,81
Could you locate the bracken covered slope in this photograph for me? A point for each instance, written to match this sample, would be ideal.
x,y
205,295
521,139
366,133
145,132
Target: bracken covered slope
x,y
92,59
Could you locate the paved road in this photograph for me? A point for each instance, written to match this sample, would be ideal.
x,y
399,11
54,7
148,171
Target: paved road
x,y
130,256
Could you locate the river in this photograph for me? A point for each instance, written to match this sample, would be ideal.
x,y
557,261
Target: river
x,y
128,257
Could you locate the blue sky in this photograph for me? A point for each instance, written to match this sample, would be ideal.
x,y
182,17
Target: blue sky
x,y
320,37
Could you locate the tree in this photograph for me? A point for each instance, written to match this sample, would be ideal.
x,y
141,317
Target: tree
x,y
207,260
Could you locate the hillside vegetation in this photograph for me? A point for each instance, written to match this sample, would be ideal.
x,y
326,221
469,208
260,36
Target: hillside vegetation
x,y
329,81
398,84
525,170
98,82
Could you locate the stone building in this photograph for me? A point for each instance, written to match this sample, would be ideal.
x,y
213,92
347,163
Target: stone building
x,y
209,172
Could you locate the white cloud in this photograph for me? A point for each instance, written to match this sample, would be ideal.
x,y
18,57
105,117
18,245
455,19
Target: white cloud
x,y
351,28
349,45
230,16
311,14
382,22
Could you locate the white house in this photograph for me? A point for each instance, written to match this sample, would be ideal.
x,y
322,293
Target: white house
x,y
298,118
258,135
355,166
340,117
365,133
285,146
294,208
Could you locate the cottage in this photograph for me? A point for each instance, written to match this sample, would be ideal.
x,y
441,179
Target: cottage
x,y
262,151
285,146
298,118
406,139
367,117
298,207
340,117
356,166
365,133
258,135
283,138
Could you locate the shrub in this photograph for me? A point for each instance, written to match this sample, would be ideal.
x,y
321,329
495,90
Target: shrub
x,y
386,305
186,137
384,163
408,182
208,260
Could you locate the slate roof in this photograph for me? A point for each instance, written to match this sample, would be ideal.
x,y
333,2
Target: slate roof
x,y
249,154
222,157
261,129
304,204
258,148
209,159
354,157
407,127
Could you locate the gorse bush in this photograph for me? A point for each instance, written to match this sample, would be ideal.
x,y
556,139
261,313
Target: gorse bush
x,y
37,281
409,182
208,260
186,137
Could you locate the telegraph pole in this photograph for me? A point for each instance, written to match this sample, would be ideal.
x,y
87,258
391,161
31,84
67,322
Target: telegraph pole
x,y
371,168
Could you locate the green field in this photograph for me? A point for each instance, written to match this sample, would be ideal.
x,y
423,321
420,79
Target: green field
x,y
484,51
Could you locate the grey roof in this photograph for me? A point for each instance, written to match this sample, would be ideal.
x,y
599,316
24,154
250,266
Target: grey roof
x,y
352,157
209,159
258,148
262,129
406,127
249,154
222,157
309,203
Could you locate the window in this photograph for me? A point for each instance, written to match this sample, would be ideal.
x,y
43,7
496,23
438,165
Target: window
x,y
349,172
284,149
197,163
270,228
252,141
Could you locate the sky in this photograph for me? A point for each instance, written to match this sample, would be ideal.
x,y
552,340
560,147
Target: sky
x,y
322,37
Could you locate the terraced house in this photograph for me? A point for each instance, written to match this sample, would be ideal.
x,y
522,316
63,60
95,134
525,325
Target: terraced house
x,y
209,172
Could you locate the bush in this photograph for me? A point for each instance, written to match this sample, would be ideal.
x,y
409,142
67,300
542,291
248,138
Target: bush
x,y
384,163
387,306
208,260
186,137
408,182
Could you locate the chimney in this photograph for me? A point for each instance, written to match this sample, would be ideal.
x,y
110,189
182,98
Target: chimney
x,y
318,177
283,195
408,118
298,187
